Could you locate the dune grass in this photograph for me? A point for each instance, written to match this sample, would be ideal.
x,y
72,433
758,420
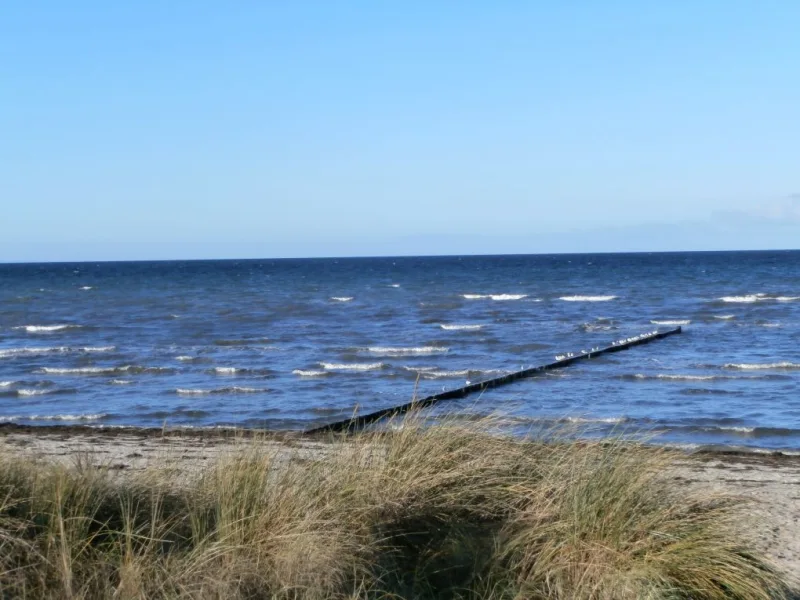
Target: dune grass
x,y
444,511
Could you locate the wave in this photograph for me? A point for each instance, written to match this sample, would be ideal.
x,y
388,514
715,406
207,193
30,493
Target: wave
x,y
105,370
672,322
87,287
725,317
120,382
591,420
762,366
6,383
587,298
454,327
341,298
33,351
225,390
670,377
435,373
32,392
594,327
309,373
46,328
389,351
499,297
227,370
85,417
351,366
394,285
751,298
770,325
185,358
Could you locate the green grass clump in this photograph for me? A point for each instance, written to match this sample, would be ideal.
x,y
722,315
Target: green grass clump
x,y
443,511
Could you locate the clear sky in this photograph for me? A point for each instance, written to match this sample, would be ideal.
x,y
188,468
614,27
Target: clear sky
x,y
155,129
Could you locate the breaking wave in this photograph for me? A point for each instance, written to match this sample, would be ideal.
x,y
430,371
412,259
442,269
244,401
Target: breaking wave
x,y
351,366
33,351
105,370
86,417
309,373
762,366
453,327
46,328
672,322
494,296
389,351
724,317
751,298
342,298
587,298
225,390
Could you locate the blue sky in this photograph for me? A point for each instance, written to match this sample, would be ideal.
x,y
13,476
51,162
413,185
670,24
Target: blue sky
x,y
179,129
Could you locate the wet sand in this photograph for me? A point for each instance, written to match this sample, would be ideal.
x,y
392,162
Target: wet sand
x,y
772,480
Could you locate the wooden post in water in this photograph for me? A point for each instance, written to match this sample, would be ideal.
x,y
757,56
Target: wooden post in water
x,y
357,422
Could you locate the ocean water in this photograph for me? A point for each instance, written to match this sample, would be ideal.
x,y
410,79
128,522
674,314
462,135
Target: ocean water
x,y
288,344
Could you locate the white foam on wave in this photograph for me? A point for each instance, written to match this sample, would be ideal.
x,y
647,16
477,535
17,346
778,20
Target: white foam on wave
x,y
725,317
120,382
587,298
420,369
341,298
87,287
226,390
444,374
499,297
671,322
390,351
669,377
226,370
31,392
184,358
351,366
762,366
45,328
394,285
590,420
34,351
85,417
101,370
6,383
454,327
750,298
772,325
309,373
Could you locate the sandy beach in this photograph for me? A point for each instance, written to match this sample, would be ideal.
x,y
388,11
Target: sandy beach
x,y
771,480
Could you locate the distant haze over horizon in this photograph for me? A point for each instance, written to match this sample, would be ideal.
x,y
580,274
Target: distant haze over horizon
x,y
195,130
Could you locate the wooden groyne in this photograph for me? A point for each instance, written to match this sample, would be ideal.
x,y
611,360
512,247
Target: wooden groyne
x,y
357,422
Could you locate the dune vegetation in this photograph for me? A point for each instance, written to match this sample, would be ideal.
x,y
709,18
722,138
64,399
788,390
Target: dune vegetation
x,y
446,511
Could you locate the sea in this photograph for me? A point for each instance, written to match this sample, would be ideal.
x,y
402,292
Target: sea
x,y
294,343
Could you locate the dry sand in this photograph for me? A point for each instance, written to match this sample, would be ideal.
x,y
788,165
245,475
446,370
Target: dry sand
x,y
772,480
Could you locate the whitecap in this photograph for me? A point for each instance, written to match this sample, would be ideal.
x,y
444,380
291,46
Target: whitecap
x,y
494,296
420,369
725,317
454,327
120,382
42,351
31,392
351,366
226,370
444,374
750,298
82,370
394,285
45,328
762,366
226,390
86,417
6,383
341,298
671,322
771,325
589,420
309,373
587,298
184,358
87,287
389,351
